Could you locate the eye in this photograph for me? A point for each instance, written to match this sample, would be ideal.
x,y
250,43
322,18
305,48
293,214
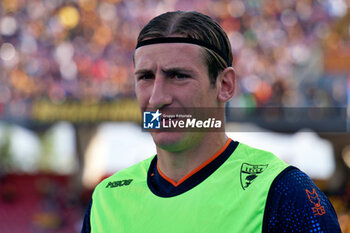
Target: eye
x,y
179,76
145,77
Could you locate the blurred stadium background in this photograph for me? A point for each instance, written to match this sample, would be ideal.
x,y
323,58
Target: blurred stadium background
x,y
68,115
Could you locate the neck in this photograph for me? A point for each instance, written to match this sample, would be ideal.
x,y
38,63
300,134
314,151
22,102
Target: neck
x,y
176,165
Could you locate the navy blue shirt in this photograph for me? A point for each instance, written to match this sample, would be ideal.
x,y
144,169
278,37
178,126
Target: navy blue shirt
x,y
294,203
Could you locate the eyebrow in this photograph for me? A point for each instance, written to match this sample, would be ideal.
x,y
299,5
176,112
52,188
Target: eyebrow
x,y
143,71
166,71
177,70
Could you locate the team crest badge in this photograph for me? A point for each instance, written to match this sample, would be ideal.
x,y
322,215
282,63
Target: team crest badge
x,y
249,172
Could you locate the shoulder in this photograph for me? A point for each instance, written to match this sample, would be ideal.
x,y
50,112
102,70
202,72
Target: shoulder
x,y
295,203
251,153
127,175
253,156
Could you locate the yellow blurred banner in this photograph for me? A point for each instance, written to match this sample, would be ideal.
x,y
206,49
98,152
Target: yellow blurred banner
x,y
79,112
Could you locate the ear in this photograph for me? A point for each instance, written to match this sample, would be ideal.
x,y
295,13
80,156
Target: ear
x,y
225,84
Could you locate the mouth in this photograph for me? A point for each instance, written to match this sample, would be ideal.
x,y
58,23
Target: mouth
x,y
168,119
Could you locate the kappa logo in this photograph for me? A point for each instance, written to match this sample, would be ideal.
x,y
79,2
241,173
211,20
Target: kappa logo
x,y
249,172
118,183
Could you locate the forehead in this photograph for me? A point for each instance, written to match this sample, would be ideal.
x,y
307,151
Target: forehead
x,y
168,55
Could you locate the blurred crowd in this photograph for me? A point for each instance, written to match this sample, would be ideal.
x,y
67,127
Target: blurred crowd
x,y
286,53
82,49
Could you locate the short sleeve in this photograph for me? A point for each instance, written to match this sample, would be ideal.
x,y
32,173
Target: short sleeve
x,y
295,204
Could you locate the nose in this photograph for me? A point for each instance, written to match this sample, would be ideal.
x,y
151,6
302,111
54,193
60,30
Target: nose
x,y
161,94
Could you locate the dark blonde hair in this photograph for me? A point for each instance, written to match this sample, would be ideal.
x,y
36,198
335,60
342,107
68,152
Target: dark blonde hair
x,y
193,25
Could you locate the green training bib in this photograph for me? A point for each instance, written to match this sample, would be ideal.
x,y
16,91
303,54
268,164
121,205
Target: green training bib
x,y
232,199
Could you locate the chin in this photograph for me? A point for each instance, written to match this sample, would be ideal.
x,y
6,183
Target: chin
x,y
167,139
174,141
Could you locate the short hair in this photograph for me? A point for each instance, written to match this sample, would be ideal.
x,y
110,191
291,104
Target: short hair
x,y
193,25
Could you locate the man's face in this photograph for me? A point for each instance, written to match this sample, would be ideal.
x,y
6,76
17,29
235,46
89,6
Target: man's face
x,y
170,76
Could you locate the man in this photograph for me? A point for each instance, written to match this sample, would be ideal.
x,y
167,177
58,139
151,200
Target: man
x,y
200,181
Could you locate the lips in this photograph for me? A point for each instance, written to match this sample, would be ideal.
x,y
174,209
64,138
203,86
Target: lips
x,y
167,119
